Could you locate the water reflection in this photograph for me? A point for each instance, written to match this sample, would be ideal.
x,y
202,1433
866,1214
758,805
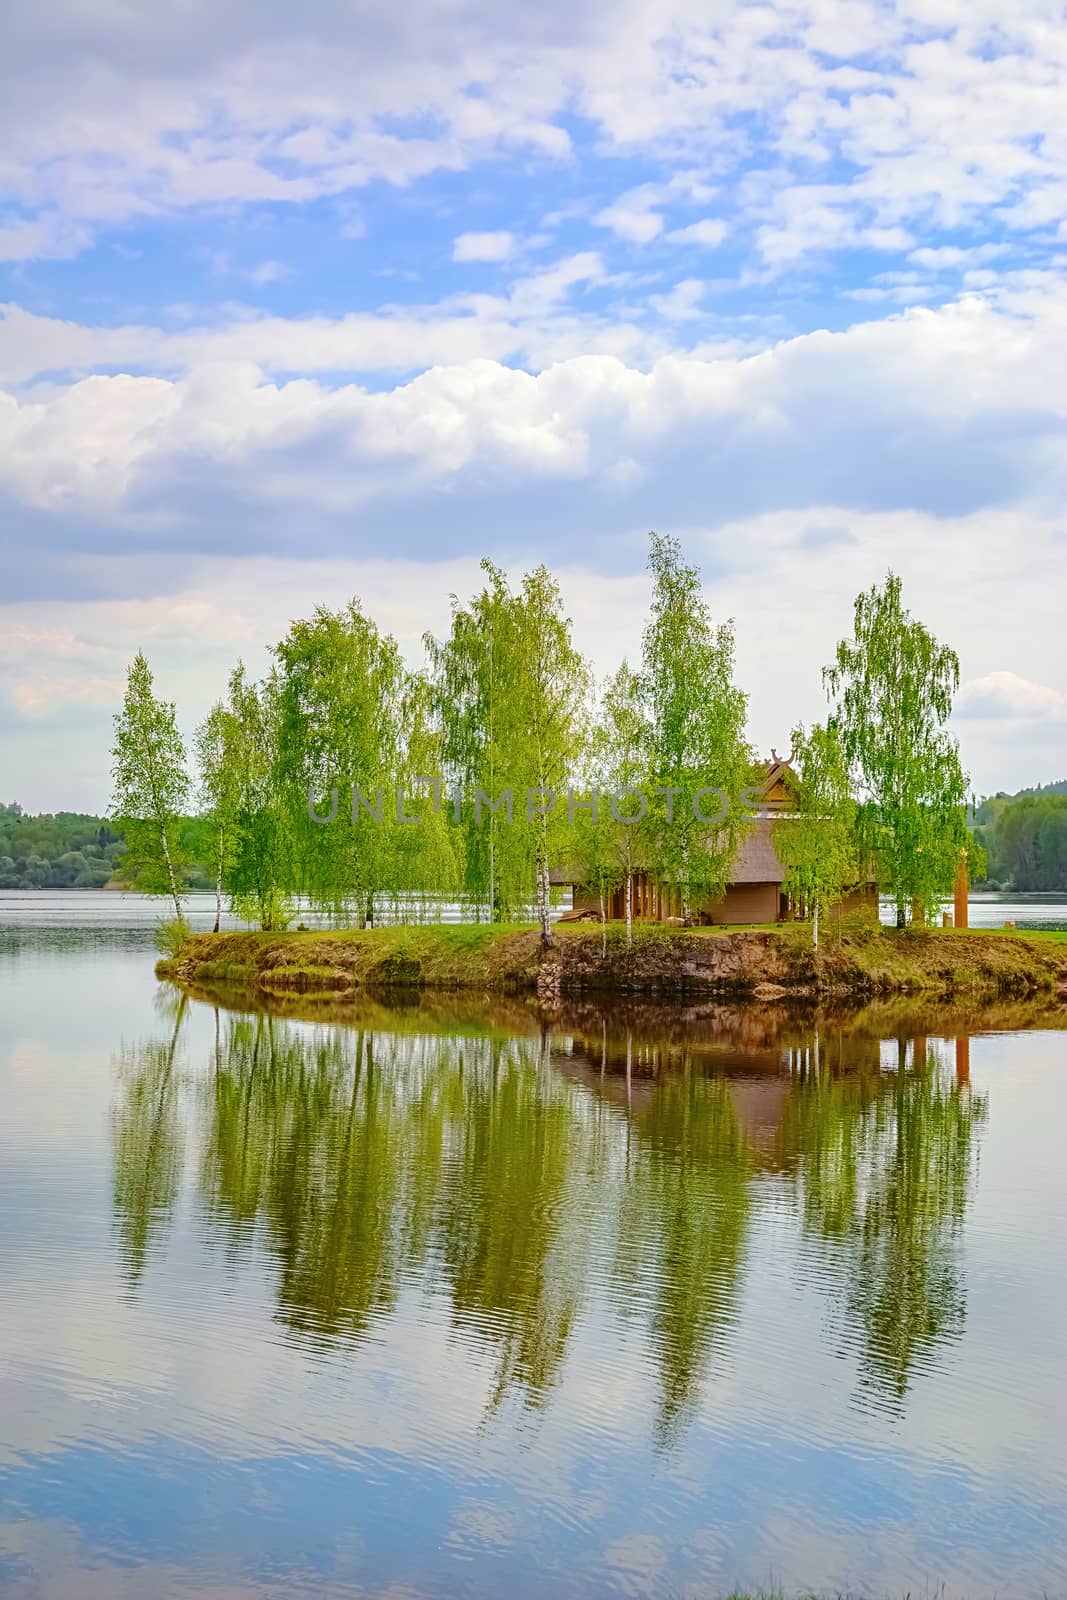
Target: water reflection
x,y
500,1174
148,1139
884,1164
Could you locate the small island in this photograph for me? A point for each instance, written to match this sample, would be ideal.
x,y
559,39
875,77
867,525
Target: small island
x,y
763,964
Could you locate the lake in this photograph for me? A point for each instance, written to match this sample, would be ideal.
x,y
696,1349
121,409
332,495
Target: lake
x,y
113,908
432,1301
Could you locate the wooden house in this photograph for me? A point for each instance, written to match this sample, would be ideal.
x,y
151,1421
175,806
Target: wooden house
x,y
755,891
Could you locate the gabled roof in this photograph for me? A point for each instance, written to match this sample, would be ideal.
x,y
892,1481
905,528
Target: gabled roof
x,y
775,781
757,859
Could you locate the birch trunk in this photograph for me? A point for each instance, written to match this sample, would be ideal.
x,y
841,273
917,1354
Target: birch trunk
x,y
170,871
218,887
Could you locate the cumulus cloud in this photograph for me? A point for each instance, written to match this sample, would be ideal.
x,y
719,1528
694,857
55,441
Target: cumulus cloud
x,y
1007,695
925,408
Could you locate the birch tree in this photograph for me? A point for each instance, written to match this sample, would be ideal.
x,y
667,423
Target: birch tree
x,y
891,687
260,871
424,859
216,753
699,761
510,688
151,783
608,846
475,683
545,724
340,688
817,844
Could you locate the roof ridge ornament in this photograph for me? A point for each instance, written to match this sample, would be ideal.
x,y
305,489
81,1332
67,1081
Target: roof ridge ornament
x,y
780,761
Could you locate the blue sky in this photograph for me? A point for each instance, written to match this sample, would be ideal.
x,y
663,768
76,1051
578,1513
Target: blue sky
x,y
304,303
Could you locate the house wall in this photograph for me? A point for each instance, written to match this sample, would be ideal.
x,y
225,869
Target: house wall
x,y
744,902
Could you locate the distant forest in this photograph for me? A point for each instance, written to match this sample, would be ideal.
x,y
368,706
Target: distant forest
x,y
71,850
1024,837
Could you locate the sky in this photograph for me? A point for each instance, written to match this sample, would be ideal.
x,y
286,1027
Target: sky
x,y
300,303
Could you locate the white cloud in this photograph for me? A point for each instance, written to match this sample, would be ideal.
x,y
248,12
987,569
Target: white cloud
x,y
917,385
496,246
1001,694
682,303
953,112
532,321
38,695
955,256
631,216
709,232
812,218
47,235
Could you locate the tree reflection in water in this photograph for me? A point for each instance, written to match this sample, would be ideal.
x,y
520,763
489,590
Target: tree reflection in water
x,y
146,1140
511,1177
884,1163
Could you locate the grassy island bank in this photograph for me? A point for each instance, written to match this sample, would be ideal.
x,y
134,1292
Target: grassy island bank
x,y
764,963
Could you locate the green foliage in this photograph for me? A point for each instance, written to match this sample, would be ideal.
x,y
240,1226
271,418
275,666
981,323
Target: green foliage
x,y
308,782
473,675
546,723
425,859
340,694
172,936
268,907
892,686
818,845
66,851
607,850
509,694
260,869
217,747
151,784
1025,840
696,732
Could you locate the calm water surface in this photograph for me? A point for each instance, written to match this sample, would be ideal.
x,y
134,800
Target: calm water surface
x,y
428,1302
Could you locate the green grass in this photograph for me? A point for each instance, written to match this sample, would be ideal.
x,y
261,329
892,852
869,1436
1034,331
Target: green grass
x,y
506,958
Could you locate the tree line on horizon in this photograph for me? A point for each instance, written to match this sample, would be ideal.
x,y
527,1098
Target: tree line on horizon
x,y
507,700
1024,838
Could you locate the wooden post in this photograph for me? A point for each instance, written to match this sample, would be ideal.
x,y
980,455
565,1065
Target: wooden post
x,y
960,889
963,1061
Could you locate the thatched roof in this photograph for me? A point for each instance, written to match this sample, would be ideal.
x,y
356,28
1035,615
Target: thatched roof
x,y
757,860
